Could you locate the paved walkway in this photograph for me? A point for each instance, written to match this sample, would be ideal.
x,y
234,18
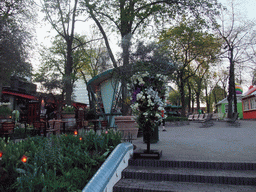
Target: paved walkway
x,y
219,142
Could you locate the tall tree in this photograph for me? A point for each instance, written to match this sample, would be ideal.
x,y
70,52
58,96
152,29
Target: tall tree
x,y
129,17
14,38
239,43
192,49
61,14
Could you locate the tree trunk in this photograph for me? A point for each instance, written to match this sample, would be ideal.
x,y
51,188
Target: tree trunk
x,y
182,95
198,95
189,97
125,73
68,72
208,99
193,103
231,84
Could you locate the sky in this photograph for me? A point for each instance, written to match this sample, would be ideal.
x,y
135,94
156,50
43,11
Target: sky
x,y
245,8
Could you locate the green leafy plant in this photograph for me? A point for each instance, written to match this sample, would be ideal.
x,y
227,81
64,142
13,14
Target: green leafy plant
x,y
173,118
58,163
4,110
68,109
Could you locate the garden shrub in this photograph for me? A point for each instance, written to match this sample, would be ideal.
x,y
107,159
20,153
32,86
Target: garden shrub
x,y
174,118
58,163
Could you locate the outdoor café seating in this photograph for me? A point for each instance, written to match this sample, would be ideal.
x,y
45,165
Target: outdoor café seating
x,y
54,127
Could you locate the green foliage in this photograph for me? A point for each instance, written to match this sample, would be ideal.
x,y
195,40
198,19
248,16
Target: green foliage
x,y
174,97
14,38
69,109
59,163
5,110
173,118
21,133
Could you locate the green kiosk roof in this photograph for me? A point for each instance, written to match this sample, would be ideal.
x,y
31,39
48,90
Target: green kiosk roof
x,y
98,79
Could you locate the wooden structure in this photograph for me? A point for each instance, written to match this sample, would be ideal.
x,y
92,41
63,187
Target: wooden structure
x,y
222,107
7,129
249,103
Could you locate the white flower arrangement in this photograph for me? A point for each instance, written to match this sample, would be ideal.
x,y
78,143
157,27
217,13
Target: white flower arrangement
x,y
148,101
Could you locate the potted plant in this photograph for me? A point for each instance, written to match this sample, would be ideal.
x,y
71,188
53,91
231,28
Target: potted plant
x,y
68,111
148,93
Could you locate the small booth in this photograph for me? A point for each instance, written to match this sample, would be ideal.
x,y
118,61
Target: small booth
x,y
222,106
104,95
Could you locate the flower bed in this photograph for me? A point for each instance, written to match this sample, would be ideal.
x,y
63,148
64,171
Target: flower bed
x,y
59,163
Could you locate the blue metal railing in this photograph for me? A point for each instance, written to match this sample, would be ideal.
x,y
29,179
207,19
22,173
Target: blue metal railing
x,y
102,177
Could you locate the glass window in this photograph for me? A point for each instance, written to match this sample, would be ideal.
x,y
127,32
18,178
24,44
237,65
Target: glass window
x,y
226,108
253,103
246,105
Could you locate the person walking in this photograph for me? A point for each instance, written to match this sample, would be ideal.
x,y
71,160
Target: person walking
x,y
163,120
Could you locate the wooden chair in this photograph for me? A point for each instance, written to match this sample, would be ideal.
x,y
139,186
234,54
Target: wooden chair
x,y
104,124
215,116
7,129
207,121
190,117
196,116
54,127
201,117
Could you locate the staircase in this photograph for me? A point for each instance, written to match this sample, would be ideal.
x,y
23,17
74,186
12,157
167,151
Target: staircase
x,y
144,175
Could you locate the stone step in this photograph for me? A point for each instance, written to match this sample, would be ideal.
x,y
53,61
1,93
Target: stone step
x,y
193,164
164,175
231,177
136,185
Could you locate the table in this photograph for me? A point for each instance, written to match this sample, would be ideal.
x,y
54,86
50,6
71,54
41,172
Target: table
x,y
95,121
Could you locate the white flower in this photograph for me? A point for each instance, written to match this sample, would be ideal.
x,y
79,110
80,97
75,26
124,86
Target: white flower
x,y
135,106
157,115
160,108
138,96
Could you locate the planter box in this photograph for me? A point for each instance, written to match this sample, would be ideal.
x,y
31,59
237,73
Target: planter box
x,y
71,121
68,115
127,126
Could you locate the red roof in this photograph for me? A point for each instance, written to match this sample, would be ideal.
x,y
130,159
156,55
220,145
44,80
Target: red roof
x,y
20,95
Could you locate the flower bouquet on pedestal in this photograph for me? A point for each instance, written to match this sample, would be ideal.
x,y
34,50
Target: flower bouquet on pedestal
x,y
148,93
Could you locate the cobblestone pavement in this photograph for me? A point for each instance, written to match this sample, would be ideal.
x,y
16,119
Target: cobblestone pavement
x,y
219,142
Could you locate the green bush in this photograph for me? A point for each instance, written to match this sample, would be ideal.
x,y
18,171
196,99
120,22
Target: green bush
x,y
4,110
21,133
59,163
173,118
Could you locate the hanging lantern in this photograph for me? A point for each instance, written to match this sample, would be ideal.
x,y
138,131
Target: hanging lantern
x,y
1,154
80,138
24,159
75,132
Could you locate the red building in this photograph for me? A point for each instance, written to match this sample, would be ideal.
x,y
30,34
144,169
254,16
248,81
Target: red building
x,y
249,103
